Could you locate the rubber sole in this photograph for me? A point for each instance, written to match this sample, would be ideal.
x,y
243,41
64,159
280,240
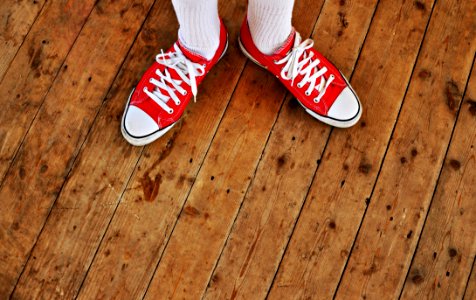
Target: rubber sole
x,y
335,123
243,49
142,141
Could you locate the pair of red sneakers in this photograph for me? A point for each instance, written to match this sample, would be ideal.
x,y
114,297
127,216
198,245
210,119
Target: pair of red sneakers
x,y
161,96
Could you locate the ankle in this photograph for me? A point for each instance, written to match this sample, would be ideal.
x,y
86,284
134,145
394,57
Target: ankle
x,y
270,23
199,25
206,48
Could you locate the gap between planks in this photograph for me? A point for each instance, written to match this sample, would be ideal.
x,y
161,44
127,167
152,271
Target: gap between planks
x,y
386,150
77,151
322,155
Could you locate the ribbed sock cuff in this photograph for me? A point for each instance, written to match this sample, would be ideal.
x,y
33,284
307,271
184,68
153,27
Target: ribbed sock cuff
x,y
270,23
199,25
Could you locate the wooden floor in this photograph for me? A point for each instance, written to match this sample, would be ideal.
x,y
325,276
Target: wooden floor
x,y
248,197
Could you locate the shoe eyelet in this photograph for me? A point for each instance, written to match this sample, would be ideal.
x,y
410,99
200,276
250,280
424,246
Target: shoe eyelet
x,y
178,102
299,85
184,93
144,89
171,111
316,101
332,76
150,80
307,93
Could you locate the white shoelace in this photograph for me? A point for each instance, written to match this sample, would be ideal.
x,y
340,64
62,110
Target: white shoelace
x,y
186,69
295,61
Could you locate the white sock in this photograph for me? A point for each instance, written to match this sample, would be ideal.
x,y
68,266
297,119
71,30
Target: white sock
x,y
270,23
199,23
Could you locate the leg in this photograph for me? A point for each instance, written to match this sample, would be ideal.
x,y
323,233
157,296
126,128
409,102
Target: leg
x,y
161,96
199,25
270,23
269,40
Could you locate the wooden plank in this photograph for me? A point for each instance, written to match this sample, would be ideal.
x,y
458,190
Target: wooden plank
x,y
76,225
131,248
387,239
33,70
218,189
225,175
447,246
470,292
47,153
142,258
16,18
264,224
336,201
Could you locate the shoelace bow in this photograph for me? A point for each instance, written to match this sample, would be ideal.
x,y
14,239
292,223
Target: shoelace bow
x,y
299,62
186,69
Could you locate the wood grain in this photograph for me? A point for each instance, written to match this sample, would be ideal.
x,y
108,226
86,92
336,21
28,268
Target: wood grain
x,y
218,189
16,18
248,196
384,247
224,177
135,239
67,244
265,221
445,254
35,67
48,152
337,199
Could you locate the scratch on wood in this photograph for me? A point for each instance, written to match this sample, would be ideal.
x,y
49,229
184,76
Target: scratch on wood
x,y
191,211
452,94
151,186
472,106
250,253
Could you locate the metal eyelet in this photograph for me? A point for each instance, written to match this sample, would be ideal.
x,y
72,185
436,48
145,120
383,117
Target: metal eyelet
x,y
316,101
299,85
171,111
178,102
307,93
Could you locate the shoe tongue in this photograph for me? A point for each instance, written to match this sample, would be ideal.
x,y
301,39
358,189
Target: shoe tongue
x,y
286,47
194,57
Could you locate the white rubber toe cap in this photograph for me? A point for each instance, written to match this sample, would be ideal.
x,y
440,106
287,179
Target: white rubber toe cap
x,y
138,123
346,107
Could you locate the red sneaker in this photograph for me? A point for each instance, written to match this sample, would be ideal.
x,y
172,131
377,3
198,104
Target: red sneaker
x,y
315,82
165,89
